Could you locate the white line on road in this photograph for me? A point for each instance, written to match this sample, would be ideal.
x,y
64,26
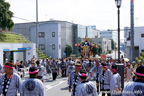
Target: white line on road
x,y
55,84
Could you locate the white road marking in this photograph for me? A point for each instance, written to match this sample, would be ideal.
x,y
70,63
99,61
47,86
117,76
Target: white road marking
x,y
55,84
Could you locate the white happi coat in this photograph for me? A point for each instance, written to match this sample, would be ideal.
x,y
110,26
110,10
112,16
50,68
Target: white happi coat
x,y
41,70
135,88
14,86
115,84
33,87
107,78
71,82
70,69
86,89
97,70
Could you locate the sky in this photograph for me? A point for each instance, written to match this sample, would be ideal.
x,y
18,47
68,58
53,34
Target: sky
x,y
101,13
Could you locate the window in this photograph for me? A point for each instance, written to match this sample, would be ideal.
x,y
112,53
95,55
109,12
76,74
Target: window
x,y
136,48
53,46
142,35
41,34
53,34
42,46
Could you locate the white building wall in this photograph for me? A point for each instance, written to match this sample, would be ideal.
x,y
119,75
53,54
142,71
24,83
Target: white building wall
x,y
138,40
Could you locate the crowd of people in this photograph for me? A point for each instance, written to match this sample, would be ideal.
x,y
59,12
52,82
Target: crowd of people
x,y
79,72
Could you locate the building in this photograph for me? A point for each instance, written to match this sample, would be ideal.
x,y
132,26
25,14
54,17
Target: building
x,y
49,38
105,43
92,32
138,41
15,47
109,35
55,35
64,35
17,51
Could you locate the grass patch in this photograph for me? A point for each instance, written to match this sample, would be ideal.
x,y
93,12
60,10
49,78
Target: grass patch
x,y
12,38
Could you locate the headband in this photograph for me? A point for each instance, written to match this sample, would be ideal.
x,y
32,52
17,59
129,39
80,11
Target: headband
x,y
82,75
6,66
139,74
34,71
115,70
104,66
78,67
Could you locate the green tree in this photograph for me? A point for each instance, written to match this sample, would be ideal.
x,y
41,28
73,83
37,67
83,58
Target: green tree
x,y
68,50
5,16
112,44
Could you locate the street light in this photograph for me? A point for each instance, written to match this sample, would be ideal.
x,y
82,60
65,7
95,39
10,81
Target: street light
x,y
118,4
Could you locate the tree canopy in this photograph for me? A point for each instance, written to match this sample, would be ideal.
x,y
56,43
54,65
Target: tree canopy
x,y
68,50
5,16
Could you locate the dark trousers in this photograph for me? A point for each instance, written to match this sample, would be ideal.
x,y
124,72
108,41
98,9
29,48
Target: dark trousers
x,y
63,72
54,74
97,86
107,91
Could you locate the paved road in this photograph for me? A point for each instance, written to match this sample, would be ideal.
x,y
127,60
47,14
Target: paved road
x,y
59,87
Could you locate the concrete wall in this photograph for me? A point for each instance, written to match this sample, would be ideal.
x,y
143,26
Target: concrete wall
x,y
14,47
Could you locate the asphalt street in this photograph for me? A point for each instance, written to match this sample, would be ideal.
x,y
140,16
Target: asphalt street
x,y
59,87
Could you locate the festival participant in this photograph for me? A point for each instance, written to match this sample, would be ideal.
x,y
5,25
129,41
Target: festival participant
x,y
97,70
133,68
115,84
74,79
25,63
104,79
54,69
33,86
68,62
63,68
58,62
135,88
10,82
86,88
71,68
41,71
48,70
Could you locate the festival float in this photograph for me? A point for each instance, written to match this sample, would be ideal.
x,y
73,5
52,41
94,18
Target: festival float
x,y
86,48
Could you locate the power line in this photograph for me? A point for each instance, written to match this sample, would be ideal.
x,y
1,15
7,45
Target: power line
x,y
22,19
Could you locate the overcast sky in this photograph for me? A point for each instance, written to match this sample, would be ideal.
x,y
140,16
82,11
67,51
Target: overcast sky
x,y
102,13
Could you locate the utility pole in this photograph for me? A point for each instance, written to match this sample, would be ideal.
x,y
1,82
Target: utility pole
x,y
132,30
37,30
